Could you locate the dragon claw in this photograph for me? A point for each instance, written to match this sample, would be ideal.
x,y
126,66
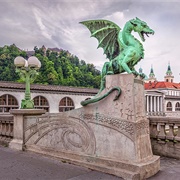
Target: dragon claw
x,y
135,73
142,75
110,72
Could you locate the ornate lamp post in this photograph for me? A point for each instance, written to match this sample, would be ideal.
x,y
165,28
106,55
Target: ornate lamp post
x,y
27,70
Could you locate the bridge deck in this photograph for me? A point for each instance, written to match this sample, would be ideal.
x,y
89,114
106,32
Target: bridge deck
x,y
25,166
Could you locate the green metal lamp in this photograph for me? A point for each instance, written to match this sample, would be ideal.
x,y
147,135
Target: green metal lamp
x,y
27,70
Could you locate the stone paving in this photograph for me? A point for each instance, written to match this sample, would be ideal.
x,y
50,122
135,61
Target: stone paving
x,y
18,165
170,170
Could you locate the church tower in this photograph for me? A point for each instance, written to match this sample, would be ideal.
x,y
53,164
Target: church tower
x,y
152,77
169,77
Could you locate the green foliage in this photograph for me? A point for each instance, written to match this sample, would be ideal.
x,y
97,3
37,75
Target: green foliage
x,y
57,68
7,68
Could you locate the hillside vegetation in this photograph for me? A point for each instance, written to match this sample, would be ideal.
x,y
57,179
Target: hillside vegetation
x,y
58,67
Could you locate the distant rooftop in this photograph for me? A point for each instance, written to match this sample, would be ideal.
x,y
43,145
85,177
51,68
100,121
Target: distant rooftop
x,y
54,88
161,85
31,53
55,49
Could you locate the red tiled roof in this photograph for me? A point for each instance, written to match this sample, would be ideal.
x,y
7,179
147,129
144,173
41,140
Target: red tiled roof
x,y
14,85
161,85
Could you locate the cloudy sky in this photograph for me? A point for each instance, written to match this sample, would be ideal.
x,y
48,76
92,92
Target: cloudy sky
x,y
55,23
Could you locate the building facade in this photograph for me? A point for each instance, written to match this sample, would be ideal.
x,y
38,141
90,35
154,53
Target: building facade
x,y
168,100
154,103
50,97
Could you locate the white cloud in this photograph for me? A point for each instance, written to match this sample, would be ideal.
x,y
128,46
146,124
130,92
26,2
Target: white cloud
x,y
115,17
39,22
56,24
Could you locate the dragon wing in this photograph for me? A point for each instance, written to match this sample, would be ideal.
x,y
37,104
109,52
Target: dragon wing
x,y
106,33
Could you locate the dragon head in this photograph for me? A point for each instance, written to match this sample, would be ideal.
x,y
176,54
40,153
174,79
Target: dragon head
x,y
141,27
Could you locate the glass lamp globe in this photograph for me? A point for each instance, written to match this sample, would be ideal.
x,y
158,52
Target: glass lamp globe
x,y
34,62
19,61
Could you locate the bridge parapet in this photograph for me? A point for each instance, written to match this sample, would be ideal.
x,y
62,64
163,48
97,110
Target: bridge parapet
x,y
165,136
6,129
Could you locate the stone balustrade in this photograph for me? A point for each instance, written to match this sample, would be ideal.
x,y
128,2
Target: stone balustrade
x,y
6,129
165,136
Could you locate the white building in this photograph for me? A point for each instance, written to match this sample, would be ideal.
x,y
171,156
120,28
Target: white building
x,y
163,96
50,97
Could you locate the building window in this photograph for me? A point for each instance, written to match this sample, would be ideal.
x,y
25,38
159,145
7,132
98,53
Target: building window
x,y
8,102
169,106
177,107
41,102
66,104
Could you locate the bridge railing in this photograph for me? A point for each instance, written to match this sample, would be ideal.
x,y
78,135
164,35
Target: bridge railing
x,y
165,136
6,128
165,129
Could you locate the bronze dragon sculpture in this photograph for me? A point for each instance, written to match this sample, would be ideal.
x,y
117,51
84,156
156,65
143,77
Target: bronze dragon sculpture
x,y
122,49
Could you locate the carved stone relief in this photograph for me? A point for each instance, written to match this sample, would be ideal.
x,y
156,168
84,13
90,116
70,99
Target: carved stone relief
x,y
125,127
68,134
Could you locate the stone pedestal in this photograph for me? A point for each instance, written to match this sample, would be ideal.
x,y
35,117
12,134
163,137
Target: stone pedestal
x,y
122,130
18,128
109,136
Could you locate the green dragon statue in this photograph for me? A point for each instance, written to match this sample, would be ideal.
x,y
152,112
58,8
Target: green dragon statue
x,y
122,49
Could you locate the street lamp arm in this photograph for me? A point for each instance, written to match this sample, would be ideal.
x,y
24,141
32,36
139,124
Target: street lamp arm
x,y
22,73
32,74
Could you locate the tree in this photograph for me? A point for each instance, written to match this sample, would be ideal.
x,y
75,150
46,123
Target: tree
x,y
57,67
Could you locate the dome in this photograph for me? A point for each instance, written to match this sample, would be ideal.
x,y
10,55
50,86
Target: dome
x,y
140,70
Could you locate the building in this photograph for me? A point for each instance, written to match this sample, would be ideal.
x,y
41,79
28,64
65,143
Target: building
x,y
162,97
53,98
152,77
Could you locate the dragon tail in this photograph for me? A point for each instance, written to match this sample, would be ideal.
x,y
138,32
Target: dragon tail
x,y
96,99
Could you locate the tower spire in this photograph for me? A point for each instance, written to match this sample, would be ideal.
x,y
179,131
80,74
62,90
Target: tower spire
x,y
169,77
169,72
152,77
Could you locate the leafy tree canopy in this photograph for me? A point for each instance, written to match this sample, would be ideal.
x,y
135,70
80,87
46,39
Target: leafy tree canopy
x,y
58,67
